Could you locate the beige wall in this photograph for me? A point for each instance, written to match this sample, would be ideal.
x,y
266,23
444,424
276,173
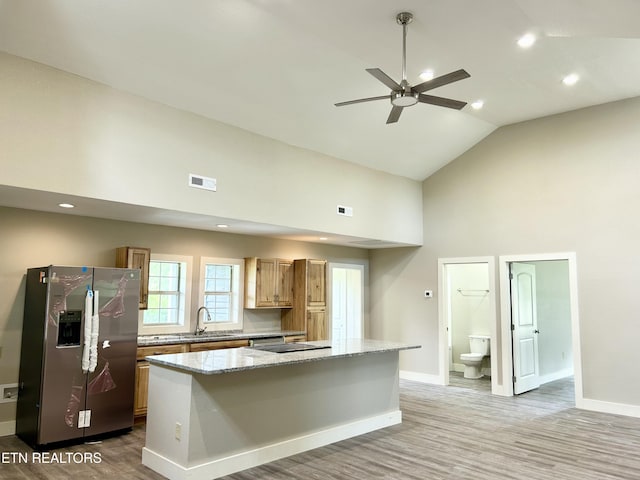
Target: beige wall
x,y
62,133
33,239
564,183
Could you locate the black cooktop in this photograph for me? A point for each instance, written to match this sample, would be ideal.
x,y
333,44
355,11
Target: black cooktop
x,y
288,347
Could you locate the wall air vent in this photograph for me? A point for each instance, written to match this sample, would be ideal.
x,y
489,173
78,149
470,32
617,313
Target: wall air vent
x,y
198,181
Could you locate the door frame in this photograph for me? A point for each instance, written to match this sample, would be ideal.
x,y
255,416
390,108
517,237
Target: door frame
x,y
443,316
505,316
329,293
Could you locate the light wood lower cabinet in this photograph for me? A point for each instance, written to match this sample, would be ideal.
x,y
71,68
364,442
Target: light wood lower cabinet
x,y
201,347
142,388
142,373
142,367
295,338
317,324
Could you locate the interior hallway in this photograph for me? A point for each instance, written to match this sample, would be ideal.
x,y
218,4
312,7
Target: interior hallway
x,y
455,432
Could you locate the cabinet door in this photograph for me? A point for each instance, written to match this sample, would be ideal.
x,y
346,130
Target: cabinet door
x,y
285,283
136,257
316,275
142,388
266,282
316,325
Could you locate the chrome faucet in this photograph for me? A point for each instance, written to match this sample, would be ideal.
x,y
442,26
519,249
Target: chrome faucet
x,y
198,330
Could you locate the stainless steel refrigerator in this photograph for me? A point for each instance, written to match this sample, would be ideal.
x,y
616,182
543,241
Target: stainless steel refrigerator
x,y
78,357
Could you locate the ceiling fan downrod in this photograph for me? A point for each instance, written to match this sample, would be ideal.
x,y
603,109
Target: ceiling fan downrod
x,y
404,19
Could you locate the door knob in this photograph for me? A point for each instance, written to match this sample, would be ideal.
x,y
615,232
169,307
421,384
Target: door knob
x,y
536,331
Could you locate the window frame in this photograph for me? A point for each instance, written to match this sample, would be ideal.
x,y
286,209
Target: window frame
x,y
184,323
237,293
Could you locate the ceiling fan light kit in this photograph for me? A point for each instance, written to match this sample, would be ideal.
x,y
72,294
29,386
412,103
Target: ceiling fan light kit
x,y
403,94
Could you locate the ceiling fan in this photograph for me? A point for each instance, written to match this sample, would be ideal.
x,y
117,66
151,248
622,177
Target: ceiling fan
x,y
404,95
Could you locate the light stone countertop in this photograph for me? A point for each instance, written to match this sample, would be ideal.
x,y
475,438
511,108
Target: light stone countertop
x,y
213,362
172,339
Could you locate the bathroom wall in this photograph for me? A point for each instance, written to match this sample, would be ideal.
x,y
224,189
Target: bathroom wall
x,y
554,320
469,307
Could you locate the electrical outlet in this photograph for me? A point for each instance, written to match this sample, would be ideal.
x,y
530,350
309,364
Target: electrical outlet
x,y
178,430
9,393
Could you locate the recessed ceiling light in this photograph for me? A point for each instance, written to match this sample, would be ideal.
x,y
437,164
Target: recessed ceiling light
x,y
323,238
66,205
571,79
477,105
426,75
526,40
222,225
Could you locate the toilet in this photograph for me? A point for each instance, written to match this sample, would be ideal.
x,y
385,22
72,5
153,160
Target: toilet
x,y
473,361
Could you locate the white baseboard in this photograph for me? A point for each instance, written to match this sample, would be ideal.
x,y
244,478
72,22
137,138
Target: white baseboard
x,y
269,453
609,407
7,428
458,367
552,377
421,377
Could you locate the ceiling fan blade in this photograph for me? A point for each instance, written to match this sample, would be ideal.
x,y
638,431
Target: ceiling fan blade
x,y
441,80
384,78
394,115
441,102
360,100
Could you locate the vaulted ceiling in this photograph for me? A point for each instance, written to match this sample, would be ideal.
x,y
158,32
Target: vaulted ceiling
x,y
277,67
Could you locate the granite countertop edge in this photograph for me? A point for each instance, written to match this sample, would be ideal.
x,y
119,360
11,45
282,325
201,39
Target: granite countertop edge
x,y
215,362
175,339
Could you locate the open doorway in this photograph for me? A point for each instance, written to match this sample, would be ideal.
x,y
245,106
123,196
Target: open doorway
x,y
346,301
466,309
539,321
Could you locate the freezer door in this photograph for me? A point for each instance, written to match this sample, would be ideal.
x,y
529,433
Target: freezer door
x,y
63,383
110,388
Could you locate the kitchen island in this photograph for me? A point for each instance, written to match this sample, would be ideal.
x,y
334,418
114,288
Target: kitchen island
x,y
216,412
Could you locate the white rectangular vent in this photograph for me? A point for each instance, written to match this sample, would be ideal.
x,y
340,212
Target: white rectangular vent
x,y
198,181
346,211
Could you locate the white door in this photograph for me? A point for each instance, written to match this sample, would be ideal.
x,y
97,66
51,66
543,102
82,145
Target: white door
x,y
347,285
524,327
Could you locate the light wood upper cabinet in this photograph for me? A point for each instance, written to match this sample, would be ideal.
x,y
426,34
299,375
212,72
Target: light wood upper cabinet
x,y
136,257
268,283
309,299
316,281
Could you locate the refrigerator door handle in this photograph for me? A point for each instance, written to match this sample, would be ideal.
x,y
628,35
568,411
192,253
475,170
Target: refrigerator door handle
x,y
88,315
95,333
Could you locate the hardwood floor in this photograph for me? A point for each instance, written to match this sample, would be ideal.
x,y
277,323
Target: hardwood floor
x,y
448,433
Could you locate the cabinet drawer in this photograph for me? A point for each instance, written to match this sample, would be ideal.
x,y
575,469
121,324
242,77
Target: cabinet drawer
x,y
295,338
200,347
161,350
